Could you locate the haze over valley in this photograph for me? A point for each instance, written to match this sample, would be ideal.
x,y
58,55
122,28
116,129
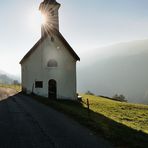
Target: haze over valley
x,y
117,69
6,78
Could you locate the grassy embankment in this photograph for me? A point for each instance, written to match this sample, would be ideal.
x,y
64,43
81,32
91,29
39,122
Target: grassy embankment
x,y
15,87
124,124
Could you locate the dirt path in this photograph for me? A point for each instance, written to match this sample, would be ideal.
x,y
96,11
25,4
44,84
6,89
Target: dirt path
x,y
6,92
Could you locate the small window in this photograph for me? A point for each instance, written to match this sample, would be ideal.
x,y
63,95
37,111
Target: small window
x,y
38,84
52,63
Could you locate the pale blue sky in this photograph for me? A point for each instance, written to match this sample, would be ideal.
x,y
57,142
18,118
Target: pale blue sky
x,y
86,24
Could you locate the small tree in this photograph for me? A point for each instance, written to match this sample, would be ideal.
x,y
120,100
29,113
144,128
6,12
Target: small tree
x,y
115,96
119,98
89,93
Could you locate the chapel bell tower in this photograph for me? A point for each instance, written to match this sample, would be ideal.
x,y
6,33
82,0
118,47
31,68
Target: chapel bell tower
x,y
49,9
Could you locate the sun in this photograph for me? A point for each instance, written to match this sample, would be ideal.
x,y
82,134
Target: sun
x,y
36,19
43,19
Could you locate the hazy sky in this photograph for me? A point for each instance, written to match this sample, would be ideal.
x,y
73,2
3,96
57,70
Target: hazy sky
x,y
86,24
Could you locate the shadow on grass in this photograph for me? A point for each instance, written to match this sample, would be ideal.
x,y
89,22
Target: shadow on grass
x,y
120,135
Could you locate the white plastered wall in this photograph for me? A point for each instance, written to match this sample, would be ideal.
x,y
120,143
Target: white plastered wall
x,y
35,69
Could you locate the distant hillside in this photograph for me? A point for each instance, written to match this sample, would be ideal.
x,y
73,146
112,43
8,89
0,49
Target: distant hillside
x,y
6,78
120,68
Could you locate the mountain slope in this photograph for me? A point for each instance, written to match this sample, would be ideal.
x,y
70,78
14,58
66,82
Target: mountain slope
x,y
121,69
5,78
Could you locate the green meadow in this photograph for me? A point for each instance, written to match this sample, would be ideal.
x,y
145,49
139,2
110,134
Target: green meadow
x,y
132,115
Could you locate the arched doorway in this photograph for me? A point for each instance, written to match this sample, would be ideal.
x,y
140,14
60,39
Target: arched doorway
x,y
52,89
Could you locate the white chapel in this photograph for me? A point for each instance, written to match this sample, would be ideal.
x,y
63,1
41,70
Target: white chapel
x,y
49,68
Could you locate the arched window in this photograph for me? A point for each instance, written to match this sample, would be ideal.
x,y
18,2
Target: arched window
x,y
52,63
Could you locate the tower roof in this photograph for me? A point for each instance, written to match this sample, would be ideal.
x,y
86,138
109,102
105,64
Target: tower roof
x,y
50,2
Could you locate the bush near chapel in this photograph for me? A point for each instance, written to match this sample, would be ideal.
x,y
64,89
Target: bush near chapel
x,y
89,93
120,98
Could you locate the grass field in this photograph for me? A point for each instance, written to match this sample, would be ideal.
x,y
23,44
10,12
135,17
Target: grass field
x,y
132,115
124,124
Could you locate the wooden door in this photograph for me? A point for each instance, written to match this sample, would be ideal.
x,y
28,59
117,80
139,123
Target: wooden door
x,y
52,89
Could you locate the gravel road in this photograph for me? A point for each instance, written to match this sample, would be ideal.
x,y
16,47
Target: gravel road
x,y
25,123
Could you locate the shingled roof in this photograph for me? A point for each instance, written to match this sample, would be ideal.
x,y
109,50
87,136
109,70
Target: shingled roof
x,y
60,37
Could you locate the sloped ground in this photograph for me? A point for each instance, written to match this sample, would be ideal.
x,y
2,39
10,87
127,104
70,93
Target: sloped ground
x,y
118,122
25,123
6,92
134,116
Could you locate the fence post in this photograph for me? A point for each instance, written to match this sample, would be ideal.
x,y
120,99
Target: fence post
x,y
88,108
87,104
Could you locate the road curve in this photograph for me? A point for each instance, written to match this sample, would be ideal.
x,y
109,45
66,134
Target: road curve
x,y
25,123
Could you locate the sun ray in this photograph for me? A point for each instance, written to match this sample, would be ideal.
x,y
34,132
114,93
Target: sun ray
x,y
50,17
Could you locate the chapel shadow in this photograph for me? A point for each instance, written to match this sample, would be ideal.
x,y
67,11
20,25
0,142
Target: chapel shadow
x,y
119,134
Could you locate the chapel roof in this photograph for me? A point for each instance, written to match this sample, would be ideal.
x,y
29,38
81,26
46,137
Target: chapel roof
x,y
60,37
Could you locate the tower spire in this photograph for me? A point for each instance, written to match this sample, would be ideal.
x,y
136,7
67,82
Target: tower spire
x,y
49,9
